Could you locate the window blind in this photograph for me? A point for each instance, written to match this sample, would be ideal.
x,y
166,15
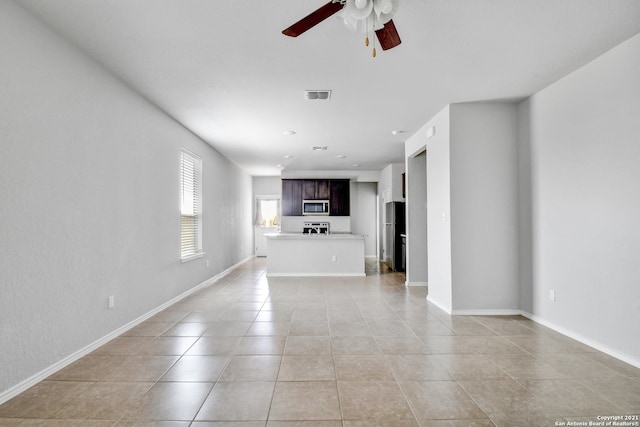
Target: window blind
x,y
190,205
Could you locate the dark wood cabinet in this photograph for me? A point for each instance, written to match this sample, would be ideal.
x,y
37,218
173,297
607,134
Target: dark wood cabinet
x,y
294,191
323,189
315,189
308,189
339,200
291,197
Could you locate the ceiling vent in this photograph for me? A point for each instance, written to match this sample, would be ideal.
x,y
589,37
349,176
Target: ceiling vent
x,y
319,148
317,94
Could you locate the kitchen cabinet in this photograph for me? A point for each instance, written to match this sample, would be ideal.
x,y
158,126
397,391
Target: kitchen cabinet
x,y
294,191
339,201
315,189
291,197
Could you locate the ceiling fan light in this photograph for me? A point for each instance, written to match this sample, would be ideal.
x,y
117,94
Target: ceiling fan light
x,y
385,9
360,4
349,22
382,6
352,10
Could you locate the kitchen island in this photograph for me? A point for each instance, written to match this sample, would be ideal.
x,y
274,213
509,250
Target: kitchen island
x,y
298,254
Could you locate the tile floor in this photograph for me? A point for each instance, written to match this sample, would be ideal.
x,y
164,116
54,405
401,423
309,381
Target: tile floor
x,y
327,352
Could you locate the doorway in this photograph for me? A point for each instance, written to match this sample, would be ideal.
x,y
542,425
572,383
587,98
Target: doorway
x,y
267,221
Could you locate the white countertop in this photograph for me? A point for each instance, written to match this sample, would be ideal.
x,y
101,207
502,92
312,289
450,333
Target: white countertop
x,y
301,236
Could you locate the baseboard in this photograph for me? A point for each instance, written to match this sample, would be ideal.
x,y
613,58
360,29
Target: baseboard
x,y
438,304
488,312
218,276
631,360
408,283
45,373
316,274
627,358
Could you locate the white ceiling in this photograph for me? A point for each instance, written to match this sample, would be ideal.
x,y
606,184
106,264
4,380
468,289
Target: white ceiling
x,y
223,69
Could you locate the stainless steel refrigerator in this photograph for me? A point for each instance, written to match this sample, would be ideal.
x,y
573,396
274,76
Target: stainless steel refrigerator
x,y
394,227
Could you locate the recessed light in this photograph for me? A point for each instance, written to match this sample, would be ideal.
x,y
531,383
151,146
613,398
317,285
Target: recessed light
x,y
289,132
397,132
341,156
288,156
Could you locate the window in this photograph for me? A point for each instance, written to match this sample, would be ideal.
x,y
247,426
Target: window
x,y
190,206
267,211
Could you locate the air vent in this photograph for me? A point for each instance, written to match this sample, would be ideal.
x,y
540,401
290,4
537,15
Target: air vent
x,y
317,94
320,148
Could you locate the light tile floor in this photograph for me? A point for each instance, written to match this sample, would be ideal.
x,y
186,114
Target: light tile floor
x,y
326,352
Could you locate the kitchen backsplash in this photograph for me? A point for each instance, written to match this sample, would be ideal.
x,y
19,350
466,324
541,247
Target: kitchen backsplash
x,y
294,224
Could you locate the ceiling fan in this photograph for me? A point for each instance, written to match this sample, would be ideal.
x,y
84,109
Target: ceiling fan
x,y
363,15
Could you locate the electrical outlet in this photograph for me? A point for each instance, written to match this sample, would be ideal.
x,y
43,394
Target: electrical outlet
x,y
112,302
334,258
207,262
552,295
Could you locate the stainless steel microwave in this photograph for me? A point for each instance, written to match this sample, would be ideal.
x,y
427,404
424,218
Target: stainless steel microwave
x,y
315,207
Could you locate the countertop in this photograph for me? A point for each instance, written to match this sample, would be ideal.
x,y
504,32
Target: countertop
x,y
301,236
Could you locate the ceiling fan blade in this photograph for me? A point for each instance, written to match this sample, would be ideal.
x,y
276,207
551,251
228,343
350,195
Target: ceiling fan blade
x,y
388,36
313,19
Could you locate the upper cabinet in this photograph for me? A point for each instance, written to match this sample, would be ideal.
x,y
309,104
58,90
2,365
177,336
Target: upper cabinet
x,y
315,189
339,202
392,184
294,191
292,197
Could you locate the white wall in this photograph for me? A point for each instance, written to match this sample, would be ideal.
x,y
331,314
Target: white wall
x,y
584,154
472,208
525,251
363,214
417,271
484,206
571,182
439,203
89,187
267,185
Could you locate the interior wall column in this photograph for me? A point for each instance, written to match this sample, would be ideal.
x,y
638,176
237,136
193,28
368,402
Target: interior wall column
x,y
417,256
